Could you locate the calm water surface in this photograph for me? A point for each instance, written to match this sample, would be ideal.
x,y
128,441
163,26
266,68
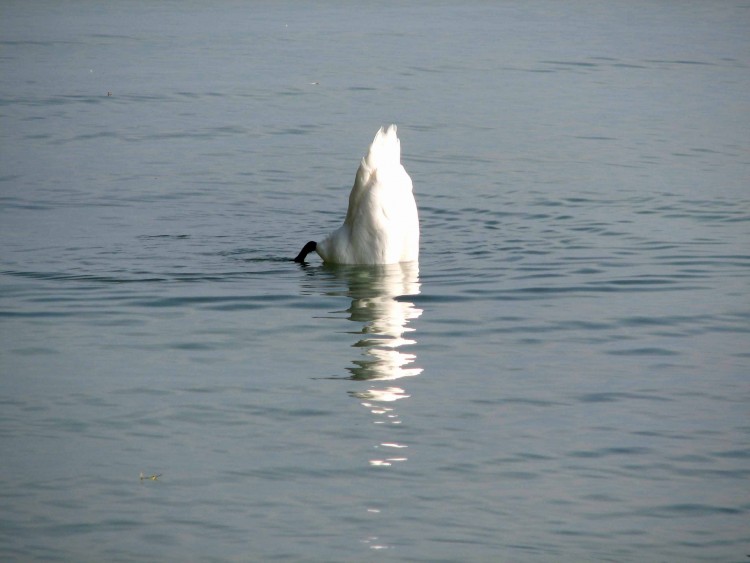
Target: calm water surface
x,y
562,377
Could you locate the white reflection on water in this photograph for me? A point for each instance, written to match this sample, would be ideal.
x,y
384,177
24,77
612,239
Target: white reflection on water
x,y
375,294
378,305
383,315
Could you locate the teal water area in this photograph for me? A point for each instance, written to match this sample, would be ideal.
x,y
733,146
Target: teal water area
x,y
562,377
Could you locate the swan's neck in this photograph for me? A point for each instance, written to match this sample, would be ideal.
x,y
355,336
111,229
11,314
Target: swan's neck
x,y
307,249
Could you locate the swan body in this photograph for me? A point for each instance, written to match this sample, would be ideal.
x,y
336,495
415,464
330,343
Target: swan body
x,y
382,224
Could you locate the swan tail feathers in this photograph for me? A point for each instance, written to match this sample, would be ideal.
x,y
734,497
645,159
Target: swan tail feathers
x,y
385,150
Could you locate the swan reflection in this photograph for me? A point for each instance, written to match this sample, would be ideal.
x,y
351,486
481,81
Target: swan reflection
x,y
382,311
378,304
383,343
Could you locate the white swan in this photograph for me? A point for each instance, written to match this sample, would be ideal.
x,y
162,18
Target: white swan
x,y
381,225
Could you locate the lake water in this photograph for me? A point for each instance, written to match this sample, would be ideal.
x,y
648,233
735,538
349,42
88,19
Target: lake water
x,y
562,377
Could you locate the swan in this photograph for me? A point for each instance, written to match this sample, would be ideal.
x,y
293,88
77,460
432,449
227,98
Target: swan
x,y
381,225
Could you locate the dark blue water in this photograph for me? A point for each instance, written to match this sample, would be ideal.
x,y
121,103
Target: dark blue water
x,y
563,377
